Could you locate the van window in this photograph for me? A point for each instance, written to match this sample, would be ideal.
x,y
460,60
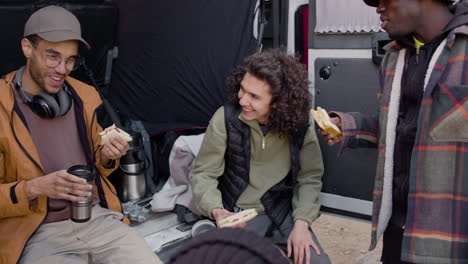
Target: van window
x,y
345,16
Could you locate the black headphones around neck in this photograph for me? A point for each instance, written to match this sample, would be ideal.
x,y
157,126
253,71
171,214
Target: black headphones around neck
x,y
44,104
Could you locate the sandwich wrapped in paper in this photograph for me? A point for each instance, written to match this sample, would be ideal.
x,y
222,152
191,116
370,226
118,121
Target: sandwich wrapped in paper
x,y
238,218
112,132
323,120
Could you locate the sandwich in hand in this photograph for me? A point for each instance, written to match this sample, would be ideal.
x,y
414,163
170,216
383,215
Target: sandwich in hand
x,y
112,132
238,218
323,120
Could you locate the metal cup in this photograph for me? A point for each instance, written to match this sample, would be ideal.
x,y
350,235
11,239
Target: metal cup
x,y
133,186
81,211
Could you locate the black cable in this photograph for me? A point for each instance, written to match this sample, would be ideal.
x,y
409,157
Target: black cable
x,y
107,106
263,21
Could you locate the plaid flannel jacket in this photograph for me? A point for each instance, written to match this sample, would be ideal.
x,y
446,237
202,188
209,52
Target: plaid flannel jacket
x,y
436,229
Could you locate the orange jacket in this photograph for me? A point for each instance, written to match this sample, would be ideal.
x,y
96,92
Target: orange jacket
x,y
19,162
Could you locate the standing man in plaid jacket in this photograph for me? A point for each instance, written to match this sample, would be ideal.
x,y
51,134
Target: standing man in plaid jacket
x,y
421,186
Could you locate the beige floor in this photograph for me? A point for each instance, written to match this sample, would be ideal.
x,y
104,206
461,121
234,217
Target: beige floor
x,y
346,240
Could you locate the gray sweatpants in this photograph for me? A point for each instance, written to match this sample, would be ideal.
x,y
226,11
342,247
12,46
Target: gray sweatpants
x,y
261,225
103,239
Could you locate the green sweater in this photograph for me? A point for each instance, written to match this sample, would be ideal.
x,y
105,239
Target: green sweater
x,y
269,164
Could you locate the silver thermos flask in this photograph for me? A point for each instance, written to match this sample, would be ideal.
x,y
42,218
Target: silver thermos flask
x,y
81,211
133,186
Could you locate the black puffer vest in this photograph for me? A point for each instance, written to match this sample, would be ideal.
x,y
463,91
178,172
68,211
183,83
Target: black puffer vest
x,y
277,201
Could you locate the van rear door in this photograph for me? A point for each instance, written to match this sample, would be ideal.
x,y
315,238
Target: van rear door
x,y
344,78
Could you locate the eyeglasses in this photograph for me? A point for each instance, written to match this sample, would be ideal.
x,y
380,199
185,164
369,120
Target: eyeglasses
x,y
54,60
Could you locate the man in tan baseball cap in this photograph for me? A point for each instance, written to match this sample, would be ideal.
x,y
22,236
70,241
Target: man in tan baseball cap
x,y
47,125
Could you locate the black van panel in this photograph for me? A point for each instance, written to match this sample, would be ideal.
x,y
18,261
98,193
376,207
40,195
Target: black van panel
x,y
352,86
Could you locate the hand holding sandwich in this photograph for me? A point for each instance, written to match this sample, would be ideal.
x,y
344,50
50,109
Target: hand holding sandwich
x,y
331,140
330,127
115,144
220,214
113,149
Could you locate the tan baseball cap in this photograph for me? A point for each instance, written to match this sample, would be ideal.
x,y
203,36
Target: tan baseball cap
x,y
54,24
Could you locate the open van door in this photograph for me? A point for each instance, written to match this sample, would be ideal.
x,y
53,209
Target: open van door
x,y
345,48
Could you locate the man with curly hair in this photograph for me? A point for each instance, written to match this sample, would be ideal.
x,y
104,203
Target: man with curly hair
x,y
260,152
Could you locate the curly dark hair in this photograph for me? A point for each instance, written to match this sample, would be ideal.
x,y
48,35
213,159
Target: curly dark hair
x,y
288,82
